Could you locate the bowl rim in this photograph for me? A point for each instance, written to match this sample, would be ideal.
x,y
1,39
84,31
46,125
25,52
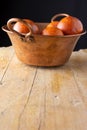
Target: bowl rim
x,y
5,28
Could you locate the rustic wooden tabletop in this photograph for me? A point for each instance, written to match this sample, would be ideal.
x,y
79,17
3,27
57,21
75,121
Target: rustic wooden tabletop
x,y
39,98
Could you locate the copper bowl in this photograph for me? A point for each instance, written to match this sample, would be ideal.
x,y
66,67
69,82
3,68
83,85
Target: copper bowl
x,y
39,50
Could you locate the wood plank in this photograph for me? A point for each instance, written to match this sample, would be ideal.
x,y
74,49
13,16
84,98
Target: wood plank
x,y
6,54
64,106
27,115
15,82
79,69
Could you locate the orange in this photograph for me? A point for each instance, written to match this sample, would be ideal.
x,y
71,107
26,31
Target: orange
x,y
53,24
52,31
22,28
70,25
35,27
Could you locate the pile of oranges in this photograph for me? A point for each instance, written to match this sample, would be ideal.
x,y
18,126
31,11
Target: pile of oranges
x,y
68,25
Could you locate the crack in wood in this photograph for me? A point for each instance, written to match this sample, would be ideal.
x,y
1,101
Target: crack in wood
x,y
0,82
7,66
40,123
42,117
76,81
25,105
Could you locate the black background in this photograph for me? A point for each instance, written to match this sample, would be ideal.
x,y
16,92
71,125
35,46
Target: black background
x,y
42,11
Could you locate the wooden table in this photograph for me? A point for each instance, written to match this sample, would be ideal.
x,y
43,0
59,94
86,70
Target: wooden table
x,y
38,98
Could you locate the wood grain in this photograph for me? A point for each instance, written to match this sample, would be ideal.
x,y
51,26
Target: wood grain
x,y
43,98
